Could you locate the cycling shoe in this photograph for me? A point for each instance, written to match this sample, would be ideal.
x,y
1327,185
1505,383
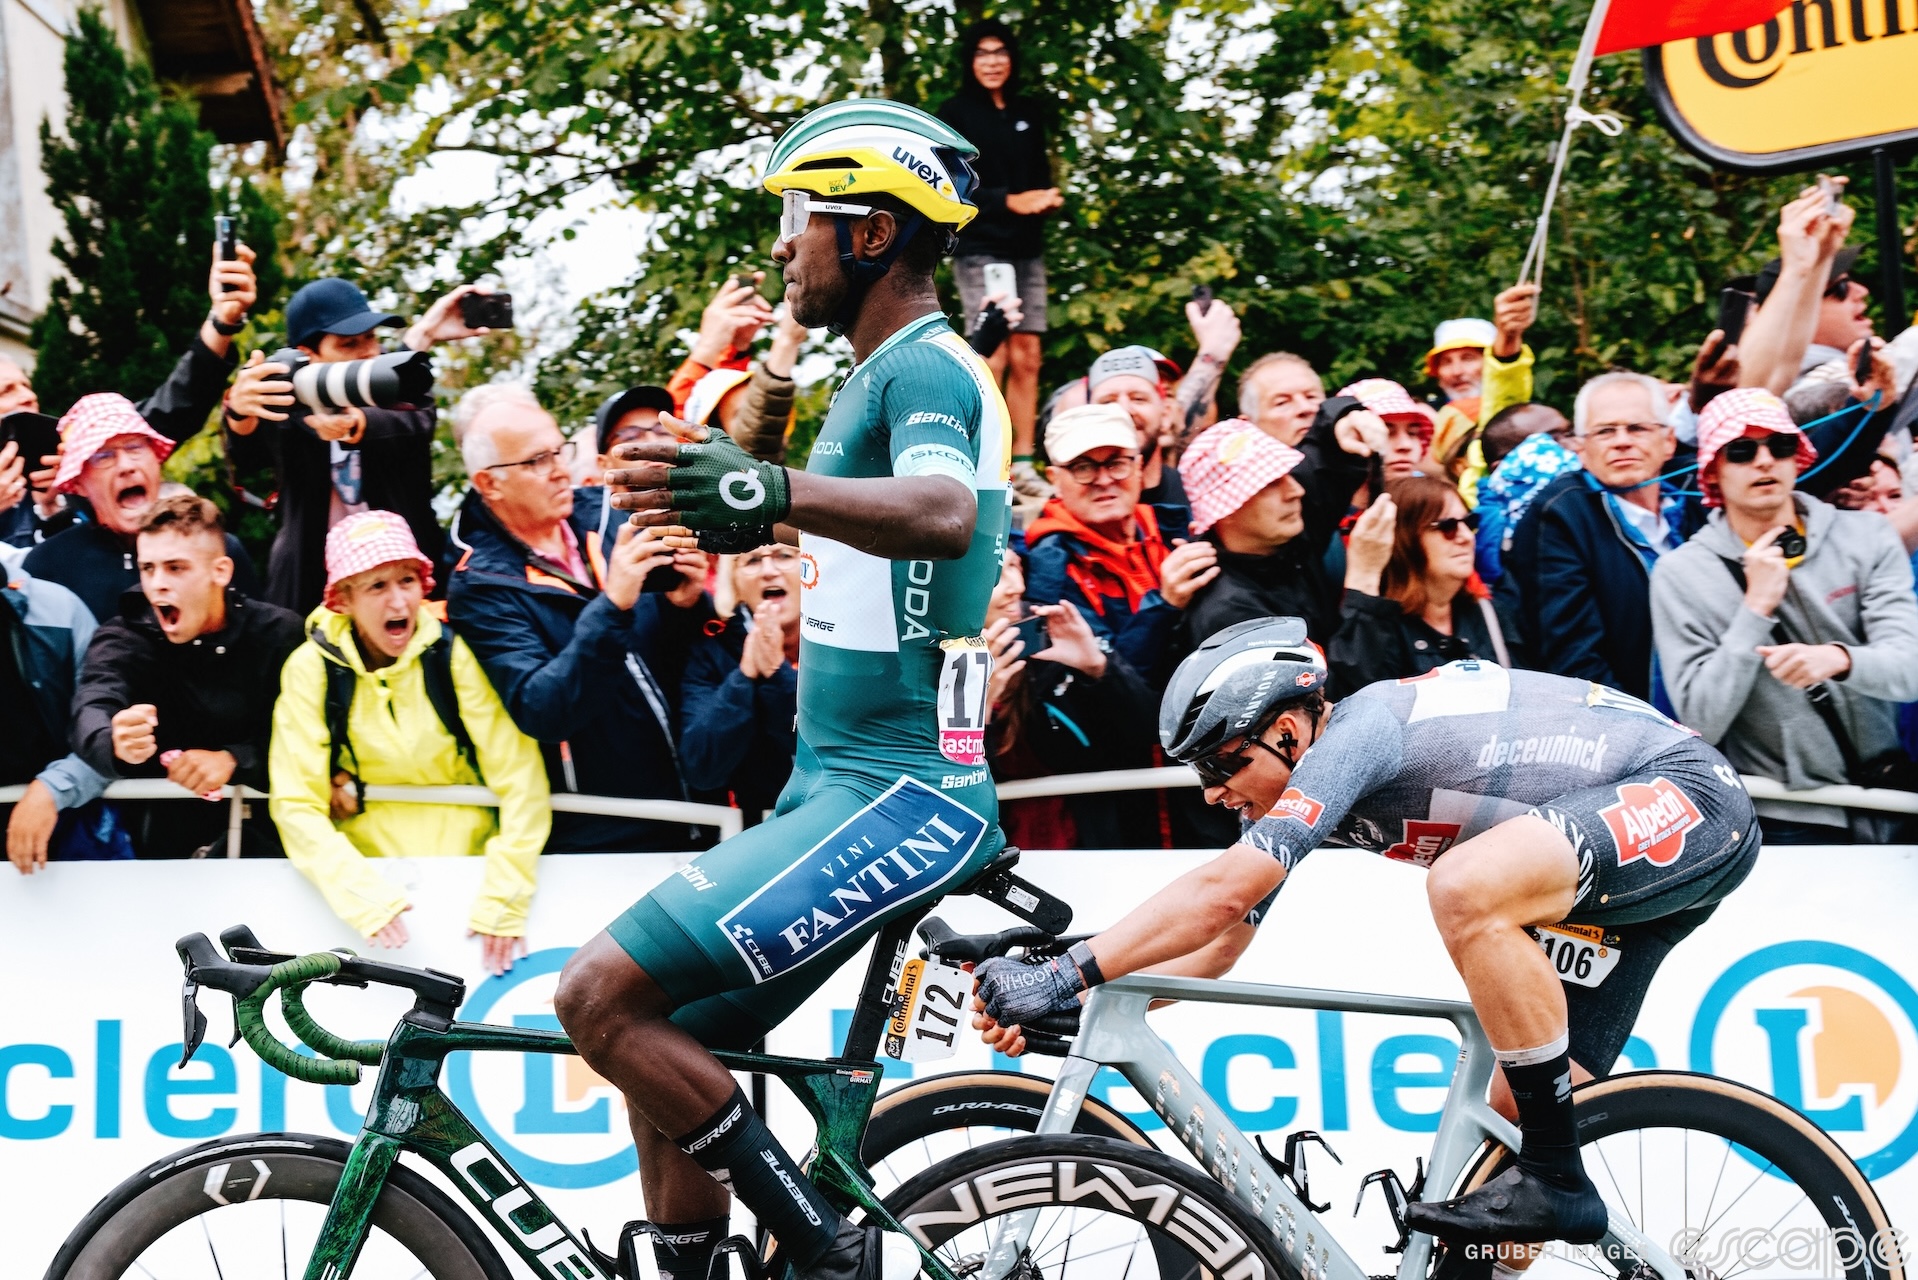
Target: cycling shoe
x,y
1517,1206
865,1252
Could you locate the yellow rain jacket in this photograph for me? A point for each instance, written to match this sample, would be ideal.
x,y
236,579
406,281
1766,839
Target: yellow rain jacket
x,y
1503,384
399,740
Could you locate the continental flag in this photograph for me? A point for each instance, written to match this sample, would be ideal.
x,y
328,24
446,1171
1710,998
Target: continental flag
x,y
1638,24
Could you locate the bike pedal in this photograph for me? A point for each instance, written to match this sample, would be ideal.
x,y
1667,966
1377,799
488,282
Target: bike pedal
x,y
1396,1198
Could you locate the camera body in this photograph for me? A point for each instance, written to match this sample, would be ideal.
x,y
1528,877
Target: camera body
x,y
400,380
486,310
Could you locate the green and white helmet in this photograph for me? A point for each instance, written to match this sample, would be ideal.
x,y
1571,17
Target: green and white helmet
x,y
865,146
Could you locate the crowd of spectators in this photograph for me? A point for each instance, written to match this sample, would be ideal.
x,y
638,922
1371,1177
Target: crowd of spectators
x,y
1735,550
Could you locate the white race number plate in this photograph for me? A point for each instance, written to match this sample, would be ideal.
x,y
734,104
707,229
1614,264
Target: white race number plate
x,y
1578,952
932,1011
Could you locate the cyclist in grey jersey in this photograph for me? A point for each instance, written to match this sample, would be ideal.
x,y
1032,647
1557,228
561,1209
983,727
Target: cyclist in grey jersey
x,y
1574,835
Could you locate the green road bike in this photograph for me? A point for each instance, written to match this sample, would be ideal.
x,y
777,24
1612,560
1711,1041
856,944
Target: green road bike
x,y
288,1204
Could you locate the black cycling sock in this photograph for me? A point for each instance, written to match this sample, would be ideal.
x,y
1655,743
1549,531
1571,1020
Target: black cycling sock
x,y
736,1147
1541,1084
684,1250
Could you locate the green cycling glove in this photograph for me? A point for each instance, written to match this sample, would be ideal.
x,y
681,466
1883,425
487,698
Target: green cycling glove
x,y
729,498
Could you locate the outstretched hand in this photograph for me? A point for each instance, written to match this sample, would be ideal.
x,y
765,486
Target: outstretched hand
x,y
704,481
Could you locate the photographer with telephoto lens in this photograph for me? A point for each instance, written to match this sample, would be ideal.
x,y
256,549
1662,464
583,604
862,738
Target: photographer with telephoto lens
x,y
344,438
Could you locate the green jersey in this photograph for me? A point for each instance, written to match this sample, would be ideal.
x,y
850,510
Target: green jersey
x,y
892,672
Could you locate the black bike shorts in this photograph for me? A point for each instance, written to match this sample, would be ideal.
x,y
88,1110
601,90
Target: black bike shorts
x,y
1656,851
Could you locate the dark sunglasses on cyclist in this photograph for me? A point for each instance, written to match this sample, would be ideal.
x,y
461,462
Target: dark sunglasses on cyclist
x,y
1217,770
1839,289
1448,527
1782,444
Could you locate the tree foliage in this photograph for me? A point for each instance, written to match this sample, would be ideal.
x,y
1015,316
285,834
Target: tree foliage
x,y
129,177
1344,172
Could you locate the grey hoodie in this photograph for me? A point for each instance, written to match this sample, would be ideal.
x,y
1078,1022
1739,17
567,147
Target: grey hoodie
x,y
1854,587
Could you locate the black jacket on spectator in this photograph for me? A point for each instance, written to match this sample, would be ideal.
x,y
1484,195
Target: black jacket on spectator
x,y
396,465
736,734
215,693
1012,158
97,565
1292,581
596,686
1378,640
1580,589
177,409
1067,722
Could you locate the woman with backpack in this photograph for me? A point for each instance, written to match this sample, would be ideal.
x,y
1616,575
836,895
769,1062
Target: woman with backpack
x,y
382,693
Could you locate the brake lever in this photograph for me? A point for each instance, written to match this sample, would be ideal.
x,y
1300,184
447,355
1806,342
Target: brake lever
x,y
193,1028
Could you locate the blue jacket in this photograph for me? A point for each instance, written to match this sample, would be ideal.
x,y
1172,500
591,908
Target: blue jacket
x,y
1582,589
736,734
51,631
597,686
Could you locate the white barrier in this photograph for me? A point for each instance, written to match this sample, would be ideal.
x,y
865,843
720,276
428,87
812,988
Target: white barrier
x,y
1801,985
1079,784
729,820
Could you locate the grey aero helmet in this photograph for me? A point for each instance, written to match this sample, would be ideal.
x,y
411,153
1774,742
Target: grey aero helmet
x,y
1238,680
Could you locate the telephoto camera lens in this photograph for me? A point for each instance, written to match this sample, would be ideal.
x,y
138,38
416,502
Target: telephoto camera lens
x,y
402,379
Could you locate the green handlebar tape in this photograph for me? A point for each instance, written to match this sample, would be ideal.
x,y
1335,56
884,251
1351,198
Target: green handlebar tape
x,y
319,1039
727,496
250,1015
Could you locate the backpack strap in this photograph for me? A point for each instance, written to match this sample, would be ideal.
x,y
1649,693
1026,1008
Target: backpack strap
x,y
436,664
341,680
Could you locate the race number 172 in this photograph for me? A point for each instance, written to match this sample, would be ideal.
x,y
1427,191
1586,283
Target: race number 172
x,y
929,1004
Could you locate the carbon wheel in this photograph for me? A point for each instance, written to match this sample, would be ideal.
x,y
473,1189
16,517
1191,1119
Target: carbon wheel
x,y
253,1205
1101,1208
1730,1181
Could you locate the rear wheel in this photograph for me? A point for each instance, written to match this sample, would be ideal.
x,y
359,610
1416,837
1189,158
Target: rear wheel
x,y
1101,1209
1729,1180
252,1206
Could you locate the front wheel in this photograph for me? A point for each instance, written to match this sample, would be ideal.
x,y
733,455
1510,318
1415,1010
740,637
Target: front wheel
x,y
1730,1181
1100,1209
253,1206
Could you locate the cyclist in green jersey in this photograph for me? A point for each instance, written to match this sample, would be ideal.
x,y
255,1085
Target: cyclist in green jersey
x,y
901,517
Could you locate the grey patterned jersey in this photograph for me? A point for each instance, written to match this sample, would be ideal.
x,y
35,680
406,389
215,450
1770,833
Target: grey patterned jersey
x,y
1408,768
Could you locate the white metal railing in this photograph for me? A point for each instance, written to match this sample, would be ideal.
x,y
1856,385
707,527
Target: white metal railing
x,y
1079,784
730,821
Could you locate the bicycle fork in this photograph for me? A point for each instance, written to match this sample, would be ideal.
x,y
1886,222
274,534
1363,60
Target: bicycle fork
x,y
1061,1112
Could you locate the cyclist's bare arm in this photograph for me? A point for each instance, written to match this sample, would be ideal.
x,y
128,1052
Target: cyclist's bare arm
x,y
1193,914
923,517
1215,959
1195,927
892,517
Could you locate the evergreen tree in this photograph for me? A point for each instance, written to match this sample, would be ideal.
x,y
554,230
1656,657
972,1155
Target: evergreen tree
x,y
130,179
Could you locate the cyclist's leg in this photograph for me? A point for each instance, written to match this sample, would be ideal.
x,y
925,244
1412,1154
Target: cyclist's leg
x,y
1675,837
762,918
1485,893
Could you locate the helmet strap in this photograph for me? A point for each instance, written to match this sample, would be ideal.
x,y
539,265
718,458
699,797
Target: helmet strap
x,y
861,273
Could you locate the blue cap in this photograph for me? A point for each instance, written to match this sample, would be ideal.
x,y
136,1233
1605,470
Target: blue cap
x,y
331,305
